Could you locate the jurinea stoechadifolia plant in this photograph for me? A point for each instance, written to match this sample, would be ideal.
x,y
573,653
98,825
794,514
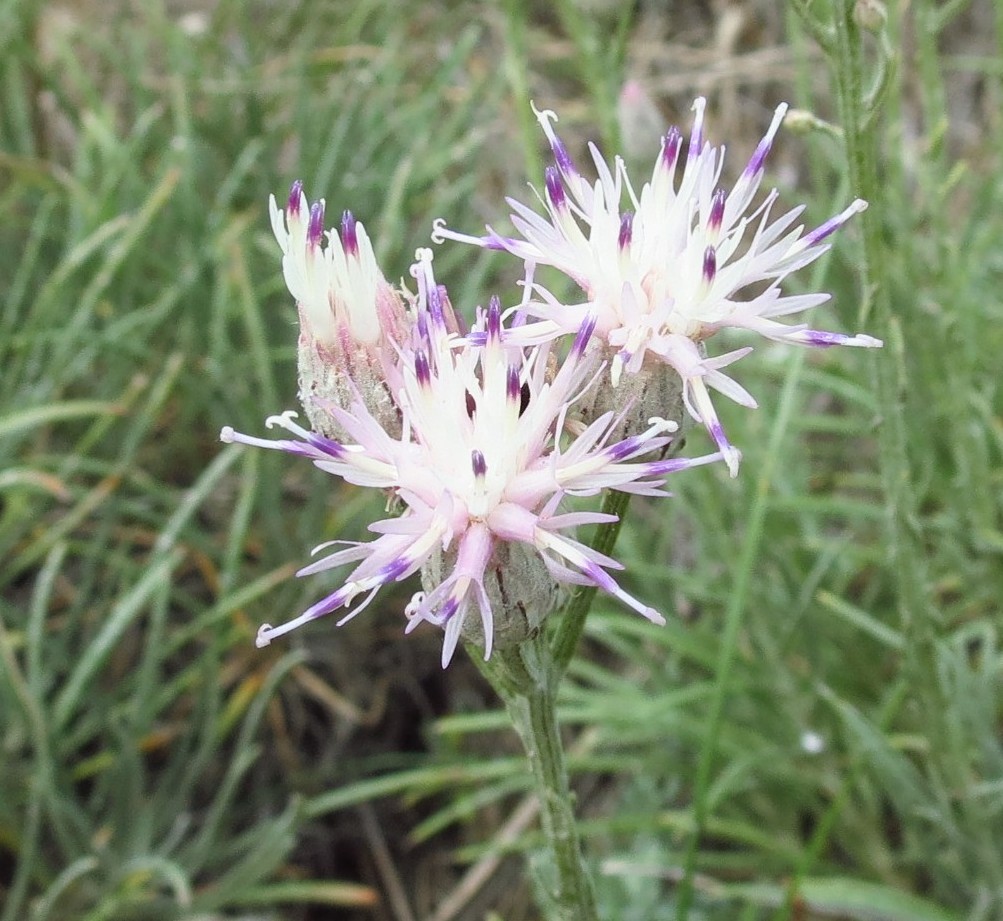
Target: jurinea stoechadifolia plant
x,y
479,435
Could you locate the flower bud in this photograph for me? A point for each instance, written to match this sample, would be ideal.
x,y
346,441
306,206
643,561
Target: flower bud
x,y
520,589
349,314
653,391
870,15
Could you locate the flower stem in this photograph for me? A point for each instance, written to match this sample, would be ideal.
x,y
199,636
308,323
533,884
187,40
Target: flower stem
x,y
891,372
526,679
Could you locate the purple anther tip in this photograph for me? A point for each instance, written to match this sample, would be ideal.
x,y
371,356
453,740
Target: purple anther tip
x,y
447,611
327,445
821,232
478,463
513,390
709,264
758,160
717,433
670,147
394,569
561,156
821,339
494,320
295,195
349,235
555,188
434,304
717,204
422,370
623,449
626,229
833,224
584,334
315,229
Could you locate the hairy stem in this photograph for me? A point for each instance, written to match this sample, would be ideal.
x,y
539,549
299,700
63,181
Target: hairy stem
x,y
526,680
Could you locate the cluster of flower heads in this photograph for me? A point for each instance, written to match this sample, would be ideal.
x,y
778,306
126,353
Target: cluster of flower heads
x,y
479,436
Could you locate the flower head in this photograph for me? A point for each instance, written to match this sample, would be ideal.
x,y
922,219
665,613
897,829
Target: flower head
x,y
664,270
481,463
350,316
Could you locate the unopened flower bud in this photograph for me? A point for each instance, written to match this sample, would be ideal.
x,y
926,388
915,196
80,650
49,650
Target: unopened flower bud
x,y
349,314
519,588
653,391
802,122
870,15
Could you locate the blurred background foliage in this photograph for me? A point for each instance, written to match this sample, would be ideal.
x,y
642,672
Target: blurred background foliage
x,y
153,764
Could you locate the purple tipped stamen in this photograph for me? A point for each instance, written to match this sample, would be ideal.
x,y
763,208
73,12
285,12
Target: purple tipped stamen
x,y
421,325
315,229
670,147
394,569
327,445
349,234
513,389
449,608
421,369
435,293
626,229
295,196
494,320
598,576
758,160
821,339
555,189
756,164
624,449
695,146
479,464
709,265
716,217
562,158
833,224
822,231
584,334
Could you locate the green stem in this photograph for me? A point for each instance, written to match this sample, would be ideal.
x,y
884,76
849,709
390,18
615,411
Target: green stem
x,y
890,370
917,610
526,679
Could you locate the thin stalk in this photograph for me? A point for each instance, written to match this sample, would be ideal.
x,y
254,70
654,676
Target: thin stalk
x,y
890,370
526,680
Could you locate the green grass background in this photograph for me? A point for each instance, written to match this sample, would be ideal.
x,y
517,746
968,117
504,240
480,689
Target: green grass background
x,y
843,591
